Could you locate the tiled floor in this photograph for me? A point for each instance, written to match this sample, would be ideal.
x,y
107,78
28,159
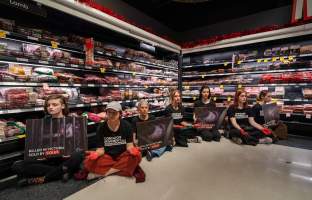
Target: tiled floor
x,y
215,171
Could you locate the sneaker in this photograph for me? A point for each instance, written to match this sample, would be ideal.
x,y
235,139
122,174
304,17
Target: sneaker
x,y
197,139
92,176
237,140
265,140
149,156
169,148
30,181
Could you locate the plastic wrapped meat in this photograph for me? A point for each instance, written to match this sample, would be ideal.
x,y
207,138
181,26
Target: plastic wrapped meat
x,y
88,98
94,79
68,78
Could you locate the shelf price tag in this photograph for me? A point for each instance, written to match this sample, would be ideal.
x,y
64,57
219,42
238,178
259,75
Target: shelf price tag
x,y
194,98
2,34
214,98
239,62
102,69
54,44
221,86
202,76
274,59
308,116
259,60
239,86
290,58
274,100
282,59
187,87
133,73
265,60
229,99
146,86
288,114
226,63
21,136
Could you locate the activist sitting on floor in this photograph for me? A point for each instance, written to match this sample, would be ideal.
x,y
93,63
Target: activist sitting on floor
x,y
276,131
143,108
241,132
49,169
183,131
115,153
205,101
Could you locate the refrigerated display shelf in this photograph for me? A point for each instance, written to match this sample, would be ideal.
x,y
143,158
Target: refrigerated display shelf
x,y
244,73
80,105
252,99
140,61
248,85
52,64
33,84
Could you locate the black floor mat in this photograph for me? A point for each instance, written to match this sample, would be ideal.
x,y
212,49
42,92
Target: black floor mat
x,y
49,191
297,142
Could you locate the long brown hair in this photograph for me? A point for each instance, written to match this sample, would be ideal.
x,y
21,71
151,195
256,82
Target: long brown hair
x,y
262,94
173,92
63,101
237,94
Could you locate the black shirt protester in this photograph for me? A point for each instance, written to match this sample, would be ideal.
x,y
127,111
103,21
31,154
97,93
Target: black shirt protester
x,y
257,114
241,116
114,143
200,103
177,115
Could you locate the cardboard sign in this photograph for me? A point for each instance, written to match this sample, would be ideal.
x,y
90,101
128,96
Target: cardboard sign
x,y
49,137
271,114
155,134
208,117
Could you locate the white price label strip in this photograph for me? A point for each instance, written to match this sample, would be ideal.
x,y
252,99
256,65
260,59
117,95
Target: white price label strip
x,y
288,114
308,116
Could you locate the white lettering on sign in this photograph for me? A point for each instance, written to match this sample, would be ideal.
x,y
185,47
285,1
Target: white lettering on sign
x,y
19,4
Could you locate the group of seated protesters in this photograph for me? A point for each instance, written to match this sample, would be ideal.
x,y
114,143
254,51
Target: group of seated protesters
x,y
116,139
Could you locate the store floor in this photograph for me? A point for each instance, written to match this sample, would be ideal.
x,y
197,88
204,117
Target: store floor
x,y
215,171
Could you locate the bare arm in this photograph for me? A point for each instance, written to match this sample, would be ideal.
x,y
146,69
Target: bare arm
x,y
100,151
253,123
185,123
234,123
130,145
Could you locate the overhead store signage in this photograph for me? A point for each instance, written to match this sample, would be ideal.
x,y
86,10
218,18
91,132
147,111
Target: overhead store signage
x,y
147,47
26,5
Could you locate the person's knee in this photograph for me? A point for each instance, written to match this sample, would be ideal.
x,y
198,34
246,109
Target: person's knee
x,y
207,135
18,166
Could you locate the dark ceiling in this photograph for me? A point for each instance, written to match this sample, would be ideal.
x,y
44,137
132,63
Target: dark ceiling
x,y
186,16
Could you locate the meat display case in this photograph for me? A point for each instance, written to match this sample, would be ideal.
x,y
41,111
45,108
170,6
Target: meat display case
x,y
281,66
50,59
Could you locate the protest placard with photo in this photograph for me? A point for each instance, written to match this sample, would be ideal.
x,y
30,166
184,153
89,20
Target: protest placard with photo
x,y
156,133
49,137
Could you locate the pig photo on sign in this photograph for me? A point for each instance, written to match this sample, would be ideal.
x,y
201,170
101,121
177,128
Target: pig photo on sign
x,y
271,114
207,117
155,133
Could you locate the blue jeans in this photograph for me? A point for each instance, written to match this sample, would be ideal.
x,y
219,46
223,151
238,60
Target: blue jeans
x,y
160,151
